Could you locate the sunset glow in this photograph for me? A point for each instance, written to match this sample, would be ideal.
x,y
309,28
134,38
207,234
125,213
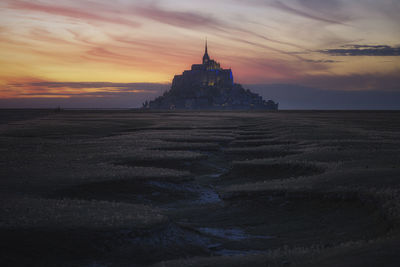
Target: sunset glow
x,y
66,49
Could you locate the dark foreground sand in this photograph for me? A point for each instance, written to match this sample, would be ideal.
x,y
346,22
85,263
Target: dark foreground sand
x,y
125,188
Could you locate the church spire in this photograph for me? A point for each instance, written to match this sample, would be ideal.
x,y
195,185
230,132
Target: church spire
x,y
206,58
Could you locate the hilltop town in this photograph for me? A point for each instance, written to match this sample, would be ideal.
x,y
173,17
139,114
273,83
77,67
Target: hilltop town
x,y
208,86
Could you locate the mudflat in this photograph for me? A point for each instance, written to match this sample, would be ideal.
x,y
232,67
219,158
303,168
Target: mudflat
x,y
131,188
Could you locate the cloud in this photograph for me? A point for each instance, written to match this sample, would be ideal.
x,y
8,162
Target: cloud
x,y
45,36
122,14
353,91
80,89
373,81
302,13
363,50
36,93
96,85
354,82
310,9
111,93
191,20
267,47
290,96
70,12
321,61
183,19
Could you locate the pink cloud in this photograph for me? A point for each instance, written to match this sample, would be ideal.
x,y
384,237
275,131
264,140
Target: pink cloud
x,y
177,18
71,12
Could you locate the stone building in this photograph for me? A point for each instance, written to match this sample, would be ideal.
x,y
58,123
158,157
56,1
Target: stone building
x,y
208,86
209,73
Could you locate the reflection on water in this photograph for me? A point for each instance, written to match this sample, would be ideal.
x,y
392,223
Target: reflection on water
x,y
230,233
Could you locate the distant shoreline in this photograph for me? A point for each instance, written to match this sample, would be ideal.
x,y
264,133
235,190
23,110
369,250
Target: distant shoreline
x,y
202,110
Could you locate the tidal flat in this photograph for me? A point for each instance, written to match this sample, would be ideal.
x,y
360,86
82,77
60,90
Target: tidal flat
x,y
222,188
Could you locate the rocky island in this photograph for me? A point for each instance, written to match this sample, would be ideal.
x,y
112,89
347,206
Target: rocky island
x,y
208,86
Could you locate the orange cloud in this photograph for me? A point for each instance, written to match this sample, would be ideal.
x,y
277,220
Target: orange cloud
x,y
27,87
132,41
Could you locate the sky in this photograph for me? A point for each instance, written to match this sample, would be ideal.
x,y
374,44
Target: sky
x,y
95,53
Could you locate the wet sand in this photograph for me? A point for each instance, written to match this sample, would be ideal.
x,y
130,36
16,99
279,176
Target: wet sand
x,y
128,188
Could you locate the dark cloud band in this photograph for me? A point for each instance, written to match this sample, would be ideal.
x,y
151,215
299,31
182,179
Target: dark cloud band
x,y
363,50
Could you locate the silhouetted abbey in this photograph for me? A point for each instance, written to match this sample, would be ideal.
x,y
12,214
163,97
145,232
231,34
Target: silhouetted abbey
x,y
208,86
